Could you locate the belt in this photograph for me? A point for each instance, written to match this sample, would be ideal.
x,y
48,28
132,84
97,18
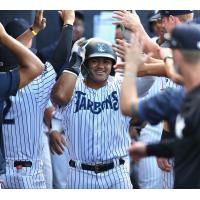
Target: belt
x,y
98,168
21,163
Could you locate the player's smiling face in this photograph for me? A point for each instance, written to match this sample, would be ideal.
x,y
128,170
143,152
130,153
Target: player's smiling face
x,y
99,68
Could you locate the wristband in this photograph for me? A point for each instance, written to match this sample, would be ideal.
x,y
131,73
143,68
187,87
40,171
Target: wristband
x,y
32,31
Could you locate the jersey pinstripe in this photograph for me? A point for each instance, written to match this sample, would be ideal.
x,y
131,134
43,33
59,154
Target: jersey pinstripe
x,y
168,177
149,175
23,138
96,130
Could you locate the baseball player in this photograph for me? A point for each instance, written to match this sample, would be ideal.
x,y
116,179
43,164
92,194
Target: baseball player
x,y
29,67
96,131
169,19
23,151
184,147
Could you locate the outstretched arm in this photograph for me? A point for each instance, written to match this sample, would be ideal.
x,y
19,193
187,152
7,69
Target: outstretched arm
x,y
131,21
63,89
133,60
38,25
62,51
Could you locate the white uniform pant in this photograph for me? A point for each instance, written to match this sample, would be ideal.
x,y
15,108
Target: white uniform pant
x,y
60,166
116,178
168,177
24,178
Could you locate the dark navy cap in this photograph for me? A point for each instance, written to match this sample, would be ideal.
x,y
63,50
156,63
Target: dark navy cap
x,y
166,13
16,27
155,17
186,37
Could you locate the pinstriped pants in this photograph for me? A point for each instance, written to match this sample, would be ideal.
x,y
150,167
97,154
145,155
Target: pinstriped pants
x,y
168,177
25,178
116,178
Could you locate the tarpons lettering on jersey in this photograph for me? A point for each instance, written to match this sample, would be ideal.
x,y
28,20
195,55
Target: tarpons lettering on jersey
x,y
82,103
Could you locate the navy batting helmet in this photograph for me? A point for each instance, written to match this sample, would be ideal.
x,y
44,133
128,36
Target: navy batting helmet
x,y
99,48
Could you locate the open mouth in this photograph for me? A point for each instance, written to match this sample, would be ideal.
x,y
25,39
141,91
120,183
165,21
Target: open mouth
x,y
100,72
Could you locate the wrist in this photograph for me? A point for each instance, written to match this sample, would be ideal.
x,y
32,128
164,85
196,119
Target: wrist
x,y
131,69
166,58
68,22
130,74
34,30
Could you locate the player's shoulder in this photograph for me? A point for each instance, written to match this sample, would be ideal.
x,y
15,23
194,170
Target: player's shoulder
x,y
10,82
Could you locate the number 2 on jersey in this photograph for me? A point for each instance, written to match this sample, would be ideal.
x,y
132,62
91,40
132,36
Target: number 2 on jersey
x,y
5,112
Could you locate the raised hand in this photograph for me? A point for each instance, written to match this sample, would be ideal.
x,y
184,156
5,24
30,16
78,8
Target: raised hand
x,y
120,47
130,21
78,47
68,16
39,22
134,57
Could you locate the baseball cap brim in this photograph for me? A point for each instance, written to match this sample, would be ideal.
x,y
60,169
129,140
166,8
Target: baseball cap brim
x,y
103,55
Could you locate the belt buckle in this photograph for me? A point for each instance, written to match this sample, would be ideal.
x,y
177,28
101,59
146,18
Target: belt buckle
x,y
97,168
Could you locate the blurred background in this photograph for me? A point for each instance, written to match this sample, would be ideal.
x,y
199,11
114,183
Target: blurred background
x,y
97,23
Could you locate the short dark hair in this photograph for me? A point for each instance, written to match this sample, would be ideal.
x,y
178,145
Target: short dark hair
x,y
191,56
79,15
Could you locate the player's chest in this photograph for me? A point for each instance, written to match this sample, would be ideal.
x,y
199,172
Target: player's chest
x,y
96,102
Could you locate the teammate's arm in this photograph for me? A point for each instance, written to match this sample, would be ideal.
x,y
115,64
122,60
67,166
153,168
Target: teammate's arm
x,y
56,139
29,65
62,51
131,22
38,25
63,89
133,60
152,66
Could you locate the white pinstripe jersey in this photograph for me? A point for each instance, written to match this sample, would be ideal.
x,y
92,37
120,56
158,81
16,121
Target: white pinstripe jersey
x,y
153,133
22,139
94,126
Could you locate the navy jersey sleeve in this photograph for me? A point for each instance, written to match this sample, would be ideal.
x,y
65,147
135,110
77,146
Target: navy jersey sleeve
x,y
163,106
9,83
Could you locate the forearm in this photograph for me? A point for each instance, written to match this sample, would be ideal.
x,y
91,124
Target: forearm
x,y
63,49
128,98
149,45
63,89
152,69
30,65
163,149
25,37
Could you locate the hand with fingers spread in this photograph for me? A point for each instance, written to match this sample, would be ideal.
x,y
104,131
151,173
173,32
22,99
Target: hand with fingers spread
x,y
120,48
67,16
130,21
77,56
39,22
57,143
119,68
134,57
164,164
78,47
